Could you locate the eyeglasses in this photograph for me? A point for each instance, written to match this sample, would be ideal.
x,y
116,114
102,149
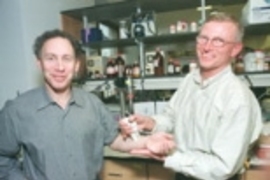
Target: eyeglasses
x,y
216,42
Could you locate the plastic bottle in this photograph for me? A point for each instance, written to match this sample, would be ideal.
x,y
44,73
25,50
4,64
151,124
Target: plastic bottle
x,y
136,70
259,60
110,70
177,68
192,66
170,67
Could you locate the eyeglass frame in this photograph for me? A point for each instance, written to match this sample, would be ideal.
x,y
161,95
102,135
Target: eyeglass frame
x,y
213,41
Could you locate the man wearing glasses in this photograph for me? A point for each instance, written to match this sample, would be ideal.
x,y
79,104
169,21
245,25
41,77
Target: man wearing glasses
x,y
214,117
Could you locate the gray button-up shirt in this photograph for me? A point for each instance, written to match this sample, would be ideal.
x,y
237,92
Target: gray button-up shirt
x,y
58,144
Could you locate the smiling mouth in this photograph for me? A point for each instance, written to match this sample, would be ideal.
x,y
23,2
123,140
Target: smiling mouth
x,y
59,78
206,56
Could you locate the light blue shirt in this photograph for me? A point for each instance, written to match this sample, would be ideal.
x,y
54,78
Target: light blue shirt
x,y
58,144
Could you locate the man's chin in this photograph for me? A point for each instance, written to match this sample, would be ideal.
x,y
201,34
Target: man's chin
x,y
59,88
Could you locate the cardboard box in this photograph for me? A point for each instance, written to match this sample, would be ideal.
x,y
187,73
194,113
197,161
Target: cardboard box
x,y
256,174
123,169
156,171
160,105
95,63
256,12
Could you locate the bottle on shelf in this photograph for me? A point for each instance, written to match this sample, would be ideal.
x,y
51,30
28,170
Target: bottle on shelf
x,y
192,66
193,26
115,68
123,31
158,63
110,70
136,70
177,67
120,64
128,70
170,67
259,60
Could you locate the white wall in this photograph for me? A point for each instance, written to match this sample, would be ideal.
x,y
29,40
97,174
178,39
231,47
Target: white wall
x,y
12,65
21,21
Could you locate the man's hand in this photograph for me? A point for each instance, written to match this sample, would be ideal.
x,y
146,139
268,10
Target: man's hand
x,y
157,146
143,123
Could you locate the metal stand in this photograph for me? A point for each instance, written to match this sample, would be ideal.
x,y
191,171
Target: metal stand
x,y
142,62
121,92
130,94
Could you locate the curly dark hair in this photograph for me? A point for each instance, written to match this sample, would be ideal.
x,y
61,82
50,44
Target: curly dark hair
x,y
47,35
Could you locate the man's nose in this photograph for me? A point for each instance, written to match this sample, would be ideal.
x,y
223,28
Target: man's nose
x,y
60,64
208,44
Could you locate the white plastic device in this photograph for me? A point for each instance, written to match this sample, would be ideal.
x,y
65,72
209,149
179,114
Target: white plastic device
x,y
135,132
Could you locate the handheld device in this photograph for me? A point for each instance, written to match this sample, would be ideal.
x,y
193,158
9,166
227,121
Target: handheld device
x,y
135,132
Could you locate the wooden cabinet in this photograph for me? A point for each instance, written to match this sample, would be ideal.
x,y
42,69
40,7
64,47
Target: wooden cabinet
x,y
256,174
134,169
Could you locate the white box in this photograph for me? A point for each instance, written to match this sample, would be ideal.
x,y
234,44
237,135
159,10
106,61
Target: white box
x,y
144,108
256,12
160,105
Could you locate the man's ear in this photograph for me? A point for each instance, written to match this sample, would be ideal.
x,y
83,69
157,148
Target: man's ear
x,y
38,63
237,49
77,65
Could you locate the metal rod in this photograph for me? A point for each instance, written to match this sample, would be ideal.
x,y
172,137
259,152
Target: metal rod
x,y
121,92
142,62
203,11
85,22
130,92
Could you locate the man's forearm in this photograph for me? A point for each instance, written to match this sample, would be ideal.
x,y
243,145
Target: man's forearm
x,y
127,144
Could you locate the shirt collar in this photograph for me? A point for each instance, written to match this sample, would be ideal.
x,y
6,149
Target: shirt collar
x,y
46,100
204,83
76,97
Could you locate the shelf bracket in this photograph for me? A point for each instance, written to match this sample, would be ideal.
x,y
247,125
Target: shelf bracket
x,y
203,12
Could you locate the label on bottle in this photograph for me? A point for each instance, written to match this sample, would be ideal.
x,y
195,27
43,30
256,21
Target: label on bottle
x,y
136,72
110,70
172,29
156,62
177,69
170,69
